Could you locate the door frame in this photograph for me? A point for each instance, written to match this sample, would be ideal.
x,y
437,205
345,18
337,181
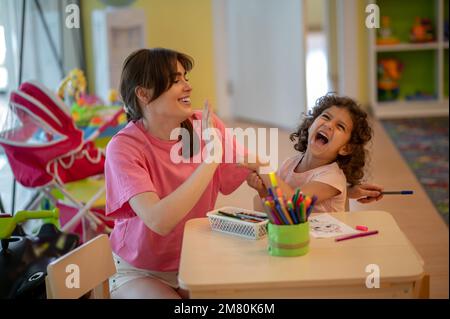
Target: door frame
x,y
222,59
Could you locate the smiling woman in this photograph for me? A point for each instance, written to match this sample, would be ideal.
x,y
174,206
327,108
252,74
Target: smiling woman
x,y
148,194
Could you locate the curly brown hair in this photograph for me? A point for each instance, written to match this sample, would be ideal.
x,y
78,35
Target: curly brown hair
x,y
353,164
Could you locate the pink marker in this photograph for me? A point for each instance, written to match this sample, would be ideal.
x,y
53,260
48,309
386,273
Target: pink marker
x,y
362,228
373,232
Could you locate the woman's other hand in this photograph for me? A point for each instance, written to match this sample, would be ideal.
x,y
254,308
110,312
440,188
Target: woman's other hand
x,y
255,181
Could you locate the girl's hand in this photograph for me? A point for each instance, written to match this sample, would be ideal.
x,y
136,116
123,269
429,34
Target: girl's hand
x,y
213,151
254,181
365,193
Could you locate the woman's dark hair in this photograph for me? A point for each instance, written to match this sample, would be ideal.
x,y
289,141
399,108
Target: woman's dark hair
x,y
154,69
353,164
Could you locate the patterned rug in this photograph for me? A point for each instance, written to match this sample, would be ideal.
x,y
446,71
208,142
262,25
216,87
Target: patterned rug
x,y
423,144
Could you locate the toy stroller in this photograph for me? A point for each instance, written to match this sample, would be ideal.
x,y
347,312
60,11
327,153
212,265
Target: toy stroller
x,y
47,151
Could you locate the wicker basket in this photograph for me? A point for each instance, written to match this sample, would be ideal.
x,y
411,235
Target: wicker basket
x,y
235,226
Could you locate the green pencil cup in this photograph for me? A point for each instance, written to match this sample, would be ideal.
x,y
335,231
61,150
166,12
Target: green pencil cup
x,y
288,240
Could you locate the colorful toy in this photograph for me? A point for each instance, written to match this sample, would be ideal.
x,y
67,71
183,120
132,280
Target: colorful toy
x,y
88,100
72,86
422,31
385,36
82,114
389,72
89,112
113,97
421,96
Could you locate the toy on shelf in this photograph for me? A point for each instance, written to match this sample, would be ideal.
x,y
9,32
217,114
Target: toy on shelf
x,y
385,35
422,31
389,72
420,96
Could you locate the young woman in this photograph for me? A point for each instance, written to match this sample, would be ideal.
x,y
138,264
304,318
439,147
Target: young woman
x,y
150,194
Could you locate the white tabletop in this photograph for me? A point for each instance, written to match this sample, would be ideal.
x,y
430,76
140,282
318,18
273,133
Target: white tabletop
x,y
223,261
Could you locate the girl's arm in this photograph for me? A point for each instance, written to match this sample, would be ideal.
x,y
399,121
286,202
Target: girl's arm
x,y
364,193
321,190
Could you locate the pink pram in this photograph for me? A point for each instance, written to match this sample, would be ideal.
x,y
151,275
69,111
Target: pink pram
x,y
46,150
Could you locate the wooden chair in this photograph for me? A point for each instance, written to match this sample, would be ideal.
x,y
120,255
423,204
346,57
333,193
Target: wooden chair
x,y
85,270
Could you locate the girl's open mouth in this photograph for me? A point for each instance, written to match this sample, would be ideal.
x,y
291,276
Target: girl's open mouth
x,y
321,138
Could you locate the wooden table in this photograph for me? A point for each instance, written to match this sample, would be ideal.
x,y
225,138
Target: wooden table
x,y
219,265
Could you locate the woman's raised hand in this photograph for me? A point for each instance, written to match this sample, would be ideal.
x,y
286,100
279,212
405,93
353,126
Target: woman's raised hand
x,y
213,151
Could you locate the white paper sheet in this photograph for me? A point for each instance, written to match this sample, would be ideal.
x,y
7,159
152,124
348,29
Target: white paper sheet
x,y
326,226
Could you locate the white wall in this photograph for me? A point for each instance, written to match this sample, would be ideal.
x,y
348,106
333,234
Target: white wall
x,y
262,55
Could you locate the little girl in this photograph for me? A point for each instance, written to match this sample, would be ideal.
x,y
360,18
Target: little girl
x,y
331,143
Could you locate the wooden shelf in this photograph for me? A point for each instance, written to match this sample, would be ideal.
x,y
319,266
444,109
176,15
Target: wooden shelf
x,y
428,60
407,47
403,108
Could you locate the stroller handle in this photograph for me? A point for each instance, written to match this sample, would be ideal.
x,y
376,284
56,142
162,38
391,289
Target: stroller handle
x,y
8,224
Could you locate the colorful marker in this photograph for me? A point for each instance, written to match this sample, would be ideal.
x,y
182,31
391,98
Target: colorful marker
x,y
373,232
398,193
273,179
301,212
247,219
292,211
362,228
272,216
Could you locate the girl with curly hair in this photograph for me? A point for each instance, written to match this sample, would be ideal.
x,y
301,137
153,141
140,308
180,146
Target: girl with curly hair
x,y
331,144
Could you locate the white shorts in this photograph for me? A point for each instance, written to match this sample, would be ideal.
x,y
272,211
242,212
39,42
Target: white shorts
x,y
126,272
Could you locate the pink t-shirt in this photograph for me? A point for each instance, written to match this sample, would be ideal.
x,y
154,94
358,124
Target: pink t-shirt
x,y
329,174
137,162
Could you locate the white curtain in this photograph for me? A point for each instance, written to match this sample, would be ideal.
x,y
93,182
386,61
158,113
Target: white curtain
x,y
40,62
